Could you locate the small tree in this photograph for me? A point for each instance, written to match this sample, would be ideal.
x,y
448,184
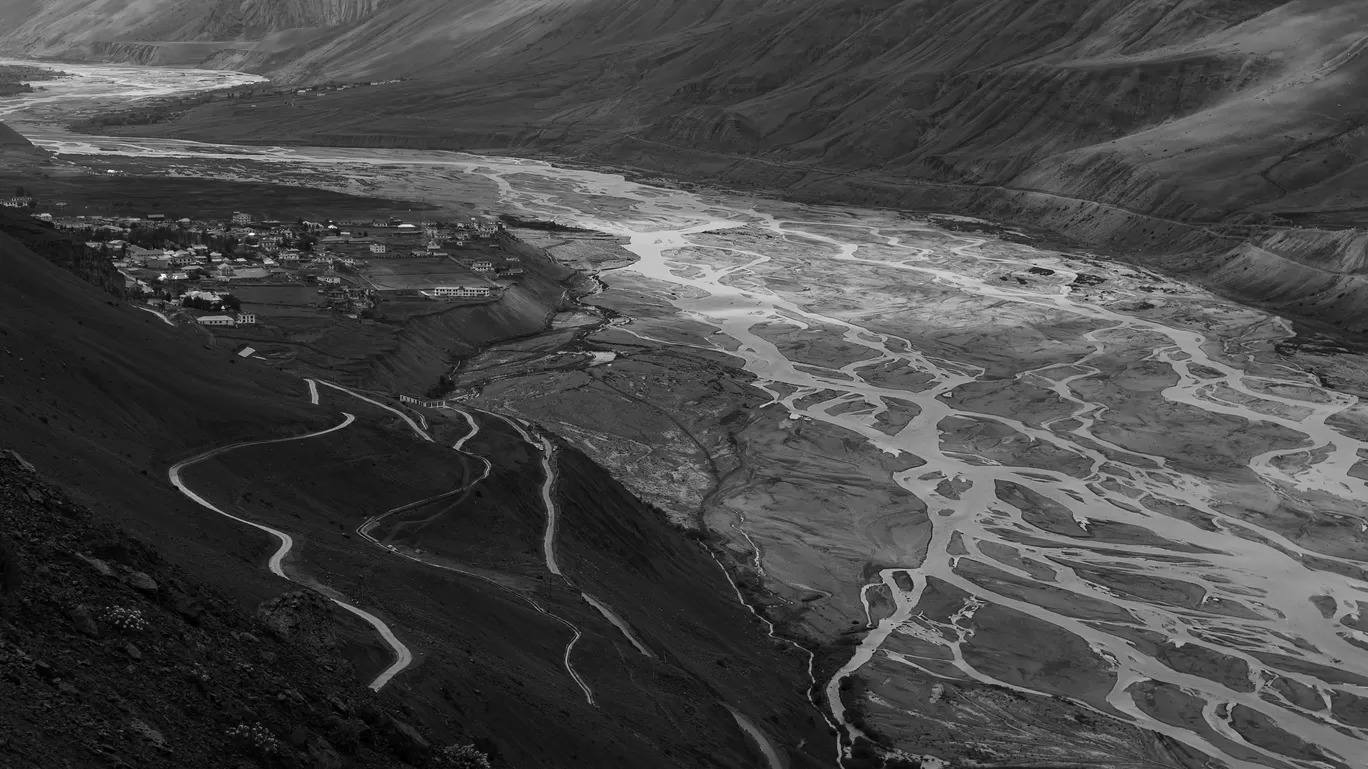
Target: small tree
x,y
461,757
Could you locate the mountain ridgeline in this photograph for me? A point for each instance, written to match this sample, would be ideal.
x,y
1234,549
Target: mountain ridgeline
x,y
1219,138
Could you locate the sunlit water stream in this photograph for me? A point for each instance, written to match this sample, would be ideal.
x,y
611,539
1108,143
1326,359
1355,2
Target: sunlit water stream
x,y
1237,561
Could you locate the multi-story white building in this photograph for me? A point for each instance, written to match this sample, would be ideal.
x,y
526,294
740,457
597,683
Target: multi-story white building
x,y
456,292
240,218
246,318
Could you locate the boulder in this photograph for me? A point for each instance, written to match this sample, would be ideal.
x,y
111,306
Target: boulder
x,y
408,742
190,609
346,736
102,568
13,456
83,622
370,713
299,737
147,732
322,755
302,617
142,583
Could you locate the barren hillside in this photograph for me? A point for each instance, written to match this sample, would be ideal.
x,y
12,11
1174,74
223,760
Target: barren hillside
x,y
104,398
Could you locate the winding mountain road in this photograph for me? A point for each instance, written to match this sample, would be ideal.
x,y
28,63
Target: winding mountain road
x,y
402,656
163,317
407,419
548,452
549,537
365,528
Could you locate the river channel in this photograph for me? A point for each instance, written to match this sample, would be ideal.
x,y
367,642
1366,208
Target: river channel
x,y
1034,437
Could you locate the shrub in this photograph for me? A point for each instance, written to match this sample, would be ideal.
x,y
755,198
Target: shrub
x,y
254,739
124,619
461,757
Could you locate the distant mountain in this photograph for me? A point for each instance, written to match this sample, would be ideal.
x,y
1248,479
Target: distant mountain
x,y
226,33
41,26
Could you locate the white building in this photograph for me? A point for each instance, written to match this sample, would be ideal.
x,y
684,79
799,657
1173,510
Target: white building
x,y
217,320
208,296
246,318
377,248
483,265
456,292
241,218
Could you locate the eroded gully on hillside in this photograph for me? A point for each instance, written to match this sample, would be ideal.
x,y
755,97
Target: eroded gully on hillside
x,y
1238,561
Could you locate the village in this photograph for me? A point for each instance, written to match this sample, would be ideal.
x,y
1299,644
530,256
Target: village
x,y
244,271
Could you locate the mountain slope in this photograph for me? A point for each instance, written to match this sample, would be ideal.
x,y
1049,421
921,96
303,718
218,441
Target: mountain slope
x,y
105,395
103,398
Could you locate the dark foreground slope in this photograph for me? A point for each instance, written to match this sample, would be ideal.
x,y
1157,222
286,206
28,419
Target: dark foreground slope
x,y
1226,132
102,398
112,656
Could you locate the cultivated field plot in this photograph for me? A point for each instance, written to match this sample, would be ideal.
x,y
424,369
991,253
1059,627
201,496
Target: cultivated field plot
x,y
271,302
397,274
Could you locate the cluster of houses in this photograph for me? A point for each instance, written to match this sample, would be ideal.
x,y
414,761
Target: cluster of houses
x,y
396,239
349,300
191,263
